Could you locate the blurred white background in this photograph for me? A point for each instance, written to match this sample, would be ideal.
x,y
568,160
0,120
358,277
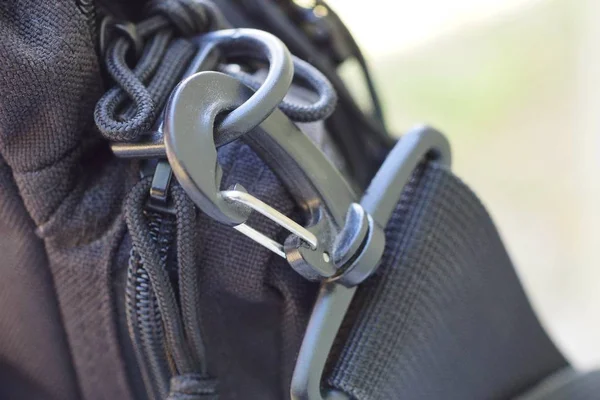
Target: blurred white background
x,y
515,86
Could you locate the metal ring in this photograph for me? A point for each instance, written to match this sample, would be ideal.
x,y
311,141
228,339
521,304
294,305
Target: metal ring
x,y
249,42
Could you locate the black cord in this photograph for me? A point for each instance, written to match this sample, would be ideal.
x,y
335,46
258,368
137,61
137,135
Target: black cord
x,y
319,110
130,109
188,273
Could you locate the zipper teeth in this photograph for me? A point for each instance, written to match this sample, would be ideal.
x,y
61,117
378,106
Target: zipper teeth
x,y
144,314
402,209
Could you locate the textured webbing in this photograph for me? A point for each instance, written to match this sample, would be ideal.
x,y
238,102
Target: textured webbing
x,y
445,316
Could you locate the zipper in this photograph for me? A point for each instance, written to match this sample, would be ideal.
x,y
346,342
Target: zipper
x,y
143,315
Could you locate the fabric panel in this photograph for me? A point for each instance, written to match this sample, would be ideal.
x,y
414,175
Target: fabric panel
x,y
31,332
70,183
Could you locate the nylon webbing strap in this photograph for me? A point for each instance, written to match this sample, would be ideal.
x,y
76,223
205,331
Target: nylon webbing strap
x,y
422,327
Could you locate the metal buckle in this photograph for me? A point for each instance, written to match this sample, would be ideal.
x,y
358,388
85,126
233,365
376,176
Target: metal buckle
x,y
301,166
333,300
210,46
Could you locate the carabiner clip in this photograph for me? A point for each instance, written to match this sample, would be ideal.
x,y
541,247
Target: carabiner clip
x,y
306,172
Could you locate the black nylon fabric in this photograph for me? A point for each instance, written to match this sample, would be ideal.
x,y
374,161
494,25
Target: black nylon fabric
x,y
445,316
74,190
31,333
71,187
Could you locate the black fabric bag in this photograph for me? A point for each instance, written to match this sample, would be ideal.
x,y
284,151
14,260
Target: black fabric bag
x,y
442,317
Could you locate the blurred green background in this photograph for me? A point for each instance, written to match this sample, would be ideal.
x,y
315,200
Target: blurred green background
x,y
513,84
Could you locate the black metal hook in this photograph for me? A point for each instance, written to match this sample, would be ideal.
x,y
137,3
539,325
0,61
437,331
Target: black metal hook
x,y
303,168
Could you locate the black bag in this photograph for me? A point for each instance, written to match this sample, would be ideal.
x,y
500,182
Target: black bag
x,y
121,275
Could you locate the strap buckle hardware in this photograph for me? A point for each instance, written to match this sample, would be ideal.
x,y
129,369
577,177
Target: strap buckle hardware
x,y
380,200
336,221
